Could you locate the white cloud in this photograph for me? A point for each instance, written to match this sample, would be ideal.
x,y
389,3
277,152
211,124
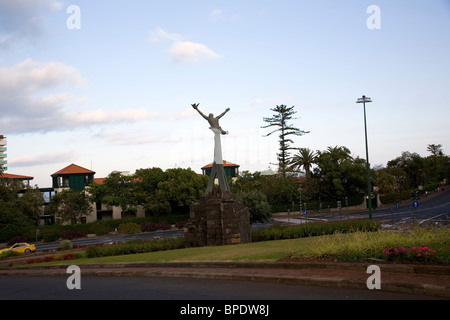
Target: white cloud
x,y
47,158
23,21
160,34
218,15
126,138
184,51
31,100
187,51
216,12
100,116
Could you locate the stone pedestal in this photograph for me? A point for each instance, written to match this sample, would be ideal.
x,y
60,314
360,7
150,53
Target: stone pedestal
x,y
217,219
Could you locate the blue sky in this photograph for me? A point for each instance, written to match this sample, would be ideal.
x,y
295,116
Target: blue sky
x,y
116,93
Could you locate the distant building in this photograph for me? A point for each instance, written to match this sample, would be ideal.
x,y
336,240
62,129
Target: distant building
x,y
9,176
3,161
74,177
231,169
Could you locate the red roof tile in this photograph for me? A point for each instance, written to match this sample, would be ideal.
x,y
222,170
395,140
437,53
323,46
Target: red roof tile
x,y
99,180
73,169
225,164
15,176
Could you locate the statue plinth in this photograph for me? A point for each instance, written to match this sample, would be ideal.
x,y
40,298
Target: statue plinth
x,y
216,220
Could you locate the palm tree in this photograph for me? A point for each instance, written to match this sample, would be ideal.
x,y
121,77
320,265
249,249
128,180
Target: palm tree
x,y
304,158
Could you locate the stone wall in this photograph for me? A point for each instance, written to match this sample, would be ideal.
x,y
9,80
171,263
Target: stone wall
x,y
217,219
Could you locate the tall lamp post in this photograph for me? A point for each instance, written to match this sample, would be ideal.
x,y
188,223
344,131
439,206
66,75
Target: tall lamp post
x,y
363,100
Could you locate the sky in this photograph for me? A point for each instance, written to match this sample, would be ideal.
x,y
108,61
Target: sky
x,y
108,85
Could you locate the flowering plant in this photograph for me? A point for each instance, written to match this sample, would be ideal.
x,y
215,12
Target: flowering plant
x,y
416,253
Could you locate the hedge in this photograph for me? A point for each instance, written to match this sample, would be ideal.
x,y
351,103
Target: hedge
x,y
279,232
135,246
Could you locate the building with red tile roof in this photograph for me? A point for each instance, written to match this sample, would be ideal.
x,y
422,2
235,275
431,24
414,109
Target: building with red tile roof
x,y
231,169
10,176
73,176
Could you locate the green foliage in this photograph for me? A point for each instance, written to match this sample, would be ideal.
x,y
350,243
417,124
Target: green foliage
x,y
257,204
65,245
135,246
129,228
280,191
279,120
51,234
9,254
12,221
310,229
339,174
160,192
69,206
30,203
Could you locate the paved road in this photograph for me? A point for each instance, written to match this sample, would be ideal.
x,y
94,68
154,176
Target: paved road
x,y
435,208
166,288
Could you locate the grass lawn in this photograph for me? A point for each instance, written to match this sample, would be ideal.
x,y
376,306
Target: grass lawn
x,y
356,246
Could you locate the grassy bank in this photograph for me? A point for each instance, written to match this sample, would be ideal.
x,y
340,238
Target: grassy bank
x,y
357,246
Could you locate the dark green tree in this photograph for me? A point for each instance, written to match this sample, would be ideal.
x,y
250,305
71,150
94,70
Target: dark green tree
x,y
281,121
69,206
304,158
339,174
31,203
257,204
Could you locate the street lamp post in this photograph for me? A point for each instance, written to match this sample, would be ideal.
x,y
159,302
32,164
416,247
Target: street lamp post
x,y
363,100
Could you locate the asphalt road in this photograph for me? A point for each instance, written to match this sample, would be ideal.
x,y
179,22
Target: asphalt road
x,y
435,208
172,289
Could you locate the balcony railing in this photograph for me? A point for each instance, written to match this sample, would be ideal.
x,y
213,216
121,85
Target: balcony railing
x,y
3,161
3,149
3,155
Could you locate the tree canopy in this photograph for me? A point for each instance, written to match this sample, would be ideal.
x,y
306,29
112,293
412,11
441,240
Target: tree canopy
x,y
280,120
158,191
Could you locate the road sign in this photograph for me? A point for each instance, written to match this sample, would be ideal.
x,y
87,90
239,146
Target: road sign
x,y
305,212
415,204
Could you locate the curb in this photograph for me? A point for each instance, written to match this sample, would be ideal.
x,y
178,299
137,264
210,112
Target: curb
x,y
191,270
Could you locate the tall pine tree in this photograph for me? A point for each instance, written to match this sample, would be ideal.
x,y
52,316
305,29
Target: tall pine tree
x,y
280,120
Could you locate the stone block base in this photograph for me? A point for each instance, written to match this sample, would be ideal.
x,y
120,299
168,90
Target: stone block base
x,y
217,219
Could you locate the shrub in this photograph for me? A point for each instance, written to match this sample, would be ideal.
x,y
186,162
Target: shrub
x,y
51,234
8,254
65,245
279,232
180,224
148,227
163,225
135,246
129,228
70,234
257,204
416,253
68,256
17,240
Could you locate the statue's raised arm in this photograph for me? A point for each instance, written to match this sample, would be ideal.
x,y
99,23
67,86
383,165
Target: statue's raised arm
x,y
213,121
223,113
195,106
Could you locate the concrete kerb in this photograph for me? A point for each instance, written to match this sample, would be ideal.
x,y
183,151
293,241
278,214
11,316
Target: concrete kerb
x,y
225,272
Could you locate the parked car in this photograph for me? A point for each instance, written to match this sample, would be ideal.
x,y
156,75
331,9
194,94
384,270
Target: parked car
x,y
21,248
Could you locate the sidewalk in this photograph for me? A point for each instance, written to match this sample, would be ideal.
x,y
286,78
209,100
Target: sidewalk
x,y
428,280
